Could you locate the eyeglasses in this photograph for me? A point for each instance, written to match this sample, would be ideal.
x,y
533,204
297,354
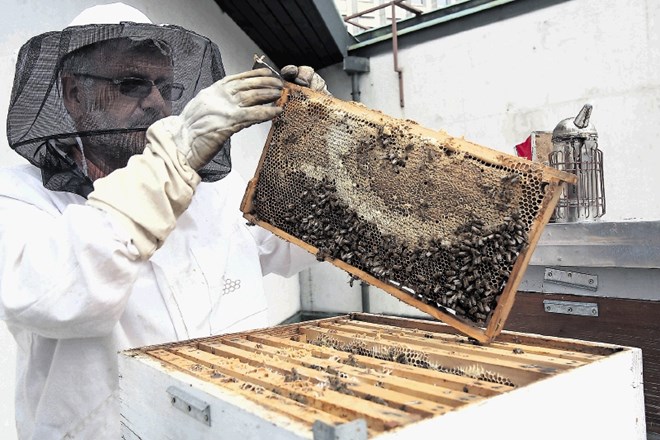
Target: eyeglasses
x,y
141,87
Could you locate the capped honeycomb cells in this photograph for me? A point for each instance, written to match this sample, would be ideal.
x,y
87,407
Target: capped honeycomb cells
x,y
411,210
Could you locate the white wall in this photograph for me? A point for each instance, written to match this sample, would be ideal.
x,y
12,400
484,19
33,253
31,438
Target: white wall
x,y
22,19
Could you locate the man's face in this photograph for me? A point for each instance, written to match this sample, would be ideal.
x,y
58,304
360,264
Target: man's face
x,y
118,89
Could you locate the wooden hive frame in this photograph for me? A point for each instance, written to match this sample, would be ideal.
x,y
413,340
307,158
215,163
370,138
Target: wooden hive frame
x,y
501,185
392,373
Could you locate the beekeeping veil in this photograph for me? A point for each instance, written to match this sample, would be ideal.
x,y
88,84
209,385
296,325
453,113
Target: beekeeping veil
x,y
83,92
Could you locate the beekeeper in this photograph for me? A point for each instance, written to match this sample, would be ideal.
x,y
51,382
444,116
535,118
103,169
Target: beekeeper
x,y
124,229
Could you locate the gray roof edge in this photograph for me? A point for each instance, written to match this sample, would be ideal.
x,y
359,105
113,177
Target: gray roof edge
x,y
335,23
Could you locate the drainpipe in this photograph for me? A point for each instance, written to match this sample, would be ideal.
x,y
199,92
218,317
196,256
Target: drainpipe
x,y
395,52
355,87
354,66
364,290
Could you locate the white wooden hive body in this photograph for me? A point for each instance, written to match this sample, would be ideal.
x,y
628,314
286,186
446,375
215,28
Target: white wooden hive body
x,y
364,376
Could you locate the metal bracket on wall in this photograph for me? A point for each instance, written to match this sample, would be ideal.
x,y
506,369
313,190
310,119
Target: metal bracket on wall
x,y
354,64
191,405
570,308
355,430
571,279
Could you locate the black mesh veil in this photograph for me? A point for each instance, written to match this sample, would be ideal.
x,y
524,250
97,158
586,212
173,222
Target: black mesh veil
x,y
75,93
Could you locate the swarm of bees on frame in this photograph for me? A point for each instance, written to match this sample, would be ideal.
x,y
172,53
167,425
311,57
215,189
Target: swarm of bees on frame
x,y
435,222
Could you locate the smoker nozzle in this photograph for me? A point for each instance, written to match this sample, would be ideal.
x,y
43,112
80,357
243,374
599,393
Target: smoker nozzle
x,y
582,118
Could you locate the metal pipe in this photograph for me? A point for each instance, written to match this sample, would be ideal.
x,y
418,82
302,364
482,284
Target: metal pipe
x,y
408,8
395,50
366,28
355,87
375,8
364,290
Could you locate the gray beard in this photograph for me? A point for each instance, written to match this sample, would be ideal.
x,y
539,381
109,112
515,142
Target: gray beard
x,y
111,151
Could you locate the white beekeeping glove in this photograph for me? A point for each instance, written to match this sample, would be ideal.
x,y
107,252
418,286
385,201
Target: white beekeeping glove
x,y
157,186
224,108
304,76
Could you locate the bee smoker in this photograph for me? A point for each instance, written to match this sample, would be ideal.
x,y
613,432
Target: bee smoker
x,y
575,150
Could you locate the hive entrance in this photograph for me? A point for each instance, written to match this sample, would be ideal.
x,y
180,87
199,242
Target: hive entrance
x,y
437,221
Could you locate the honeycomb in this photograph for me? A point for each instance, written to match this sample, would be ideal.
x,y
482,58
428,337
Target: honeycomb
x,y
413,208
408,356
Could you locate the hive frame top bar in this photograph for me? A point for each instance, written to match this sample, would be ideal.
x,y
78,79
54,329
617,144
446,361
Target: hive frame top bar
x,y
441,223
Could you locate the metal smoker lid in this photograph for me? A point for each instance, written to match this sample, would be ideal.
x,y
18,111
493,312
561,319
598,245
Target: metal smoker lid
x,y
578,127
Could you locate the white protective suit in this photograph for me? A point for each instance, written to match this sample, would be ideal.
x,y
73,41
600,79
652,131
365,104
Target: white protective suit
x,y
73,294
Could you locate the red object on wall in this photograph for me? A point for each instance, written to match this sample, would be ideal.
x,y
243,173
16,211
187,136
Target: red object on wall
x,y
524,149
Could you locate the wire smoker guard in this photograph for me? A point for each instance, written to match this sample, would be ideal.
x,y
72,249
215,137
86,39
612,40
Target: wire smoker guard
x,y
575,150
442,224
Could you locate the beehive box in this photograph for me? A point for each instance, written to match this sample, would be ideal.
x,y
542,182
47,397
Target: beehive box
x,y
443,224
366,376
